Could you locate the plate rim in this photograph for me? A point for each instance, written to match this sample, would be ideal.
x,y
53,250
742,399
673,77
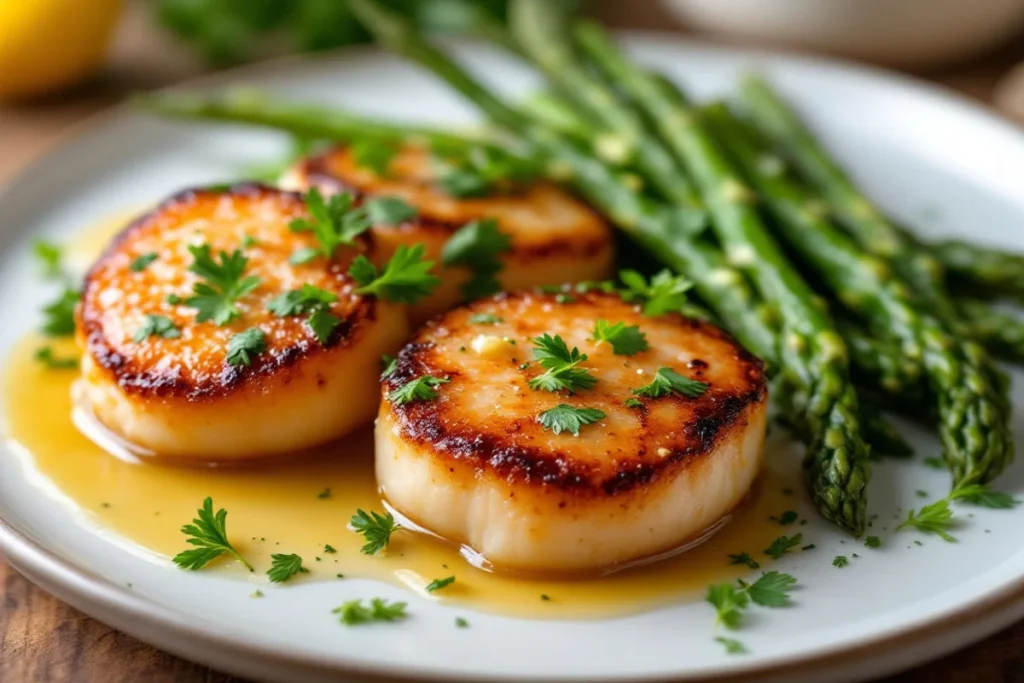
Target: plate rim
x,y
963,624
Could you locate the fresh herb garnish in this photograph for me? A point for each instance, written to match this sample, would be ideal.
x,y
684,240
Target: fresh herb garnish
x,y
59,315
666,292
244,345
667,381
484,319
873,542
329,549
355,612
419,389
334,223
438,584
50,255
732,646
375,528
481,172
390,363
565,418
632,403
284,567
729,603
770,590
561,364
983,496
477,246
406,277
782,545
936,518
934,463
47,356
374,155
311,301
223,284
156,325
390,210
744,558
461,623
786,518
208,532
625,341
840,561
142,262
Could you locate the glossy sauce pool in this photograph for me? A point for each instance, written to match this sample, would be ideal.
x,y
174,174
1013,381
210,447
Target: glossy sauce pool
x,y
303,504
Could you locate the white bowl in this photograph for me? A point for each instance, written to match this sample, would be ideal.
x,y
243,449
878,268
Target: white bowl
x,y
909,33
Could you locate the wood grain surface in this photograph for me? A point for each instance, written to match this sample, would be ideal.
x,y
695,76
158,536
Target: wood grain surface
x,y
42,640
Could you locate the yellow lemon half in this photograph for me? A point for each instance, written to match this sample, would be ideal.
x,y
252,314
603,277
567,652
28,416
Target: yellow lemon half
x,y
46,45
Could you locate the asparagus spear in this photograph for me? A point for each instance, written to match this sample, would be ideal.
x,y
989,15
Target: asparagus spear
x,y
1001,333
973,411
980,270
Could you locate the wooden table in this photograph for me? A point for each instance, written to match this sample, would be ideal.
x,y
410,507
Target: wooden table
x,y
44,640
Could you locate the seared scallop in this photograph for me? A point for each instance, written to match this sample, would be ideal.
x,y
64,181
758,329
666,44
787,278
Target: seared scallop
x,y
555,237
634,451
215,374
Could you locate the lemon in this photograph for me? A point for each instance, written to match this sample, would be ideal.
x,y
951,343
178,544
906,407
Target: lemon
x,y
46,45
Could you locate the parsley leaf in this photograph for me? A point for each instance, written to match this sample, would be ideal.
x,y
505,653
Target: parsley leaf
x,y
771,590
50,256
142,262
390,363
59,315
482,171
983,496
782,545
460,622
158,325
355,612
729,604
375,528
373,155
419,389
323,323
477,245
438,584
390,210
561,364
632,403
208,532
284,567
933,519
406,278
484,319
732,646
46,356
873,542
667,381
744,558
625,341
312,301
334,223
244,345
565,418
666,293
840,561
223,284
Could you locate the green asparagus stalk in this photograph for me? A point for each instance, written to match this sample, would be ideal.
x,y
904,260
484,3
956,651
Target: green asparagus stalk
x,y
1001,333
973,415
813,353
982,271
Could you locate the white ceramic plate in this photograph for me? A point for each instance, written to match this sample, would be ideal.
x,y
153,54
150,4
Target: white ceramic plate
x,y
929,158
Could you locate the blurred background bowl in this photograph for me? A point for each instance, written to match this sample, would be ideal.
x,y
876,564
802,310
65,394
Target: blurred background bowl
x,y
904,33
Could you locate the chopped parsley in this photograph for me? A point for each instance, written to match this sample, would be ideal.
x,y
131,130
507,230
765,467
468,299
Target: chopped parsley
x,y
390,210
284,567
936,518
485,319
375,528
729,603
419,389
310,301
732,646
59,314
625,341
983,496
334,223
373,155
324,495
438,584
481,171
665,293
840,561
156,325
461,623
782,545
632,403
667,381
244,345
405,279
478,246
208,532
565,418
390,363
770,590
221,286
46,356
329,549
355,612
873,542
562,365
50,256
142,262
744,558
786,518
